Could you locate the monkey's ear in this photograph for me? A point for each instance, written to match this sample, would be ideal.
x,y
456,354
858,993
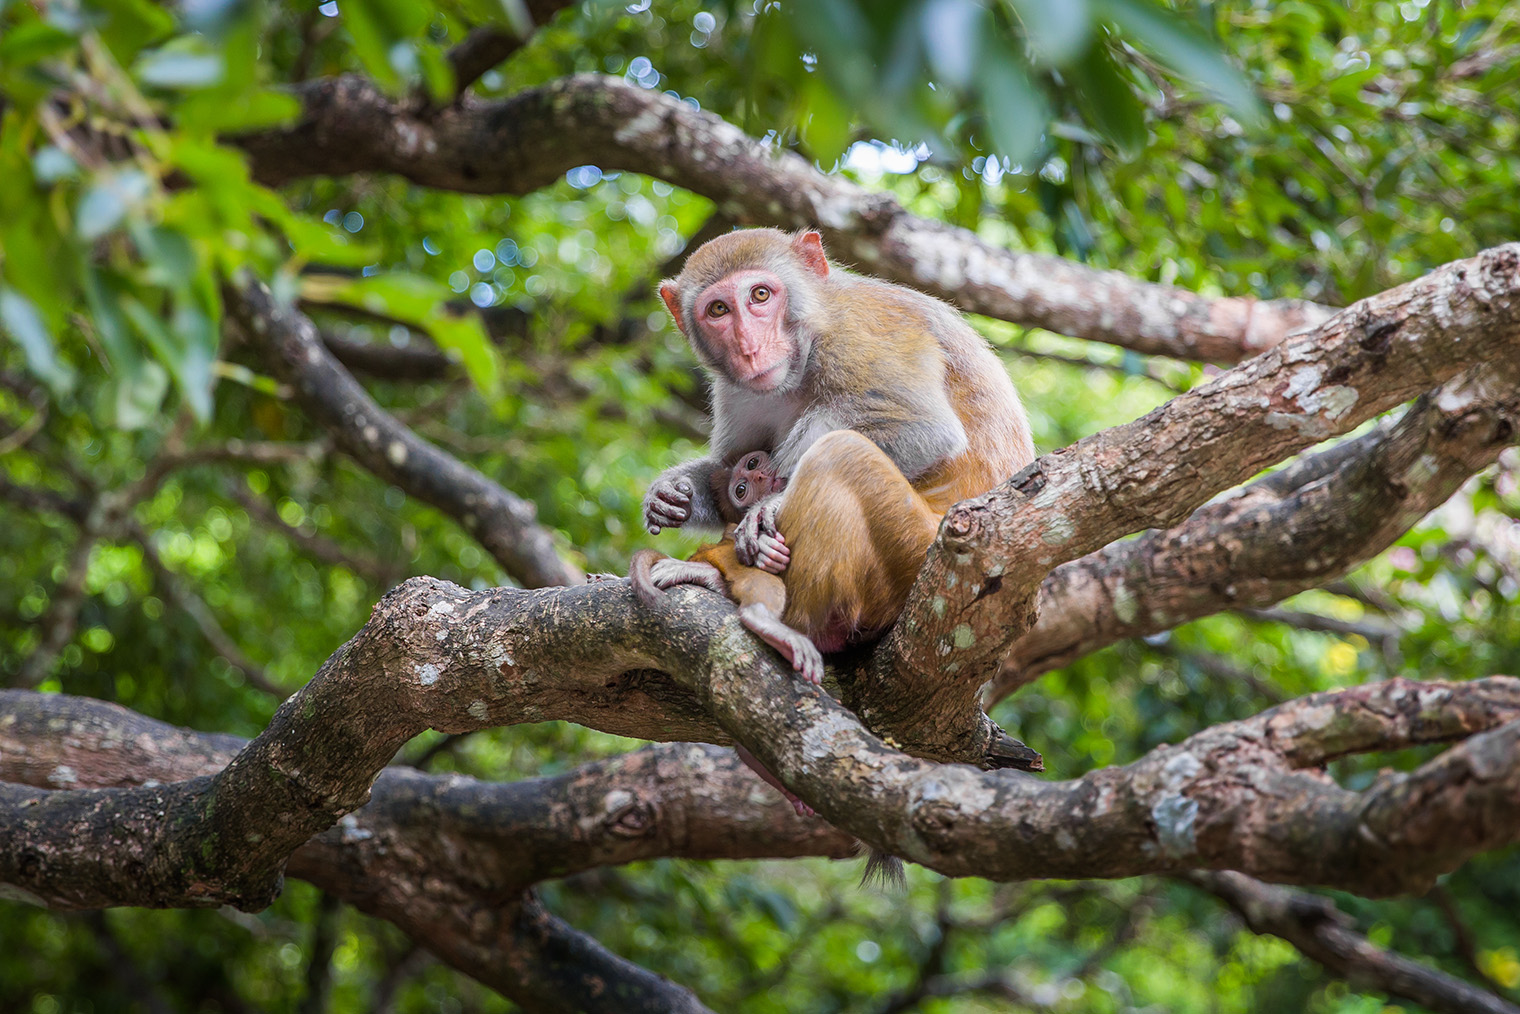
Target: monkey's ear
x,y
672,303
809,247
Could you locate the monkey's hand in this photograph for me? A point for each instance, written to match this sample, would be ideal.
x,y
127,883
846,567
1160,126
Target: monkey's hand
x,y
667,504
757,541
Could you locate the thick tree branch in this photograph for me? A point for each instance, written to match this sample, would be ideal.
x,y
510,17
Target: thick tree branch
x,y
1292,530
447,858
679,800
976,593
1325,934
502,522
521,144
434,656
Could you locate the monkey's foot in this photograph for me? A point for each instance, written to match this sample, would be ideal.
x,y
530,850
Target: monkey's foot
x,y
793,645
753,763
668,573
594,578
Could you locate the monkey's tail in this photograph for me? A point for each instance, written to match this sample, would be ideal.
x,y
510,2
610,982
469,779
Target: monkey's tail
x,y
641,579
884,871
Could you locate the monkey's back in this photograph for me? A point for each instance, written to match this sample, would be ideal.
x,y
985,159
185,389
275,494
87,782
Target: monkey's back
x,y
998,442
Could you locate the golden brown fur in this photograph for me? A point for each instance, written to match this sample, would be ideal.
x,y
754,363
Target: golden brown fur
x,y
858,532
899,366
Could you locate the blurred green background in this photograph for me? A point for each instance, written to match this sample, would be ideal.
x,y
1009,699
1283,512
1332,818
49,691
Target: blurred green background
x,y
1313,149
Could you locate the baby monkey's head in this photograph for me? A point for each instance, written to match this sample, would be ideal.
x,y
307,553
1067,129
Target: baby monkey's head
x,y
749,480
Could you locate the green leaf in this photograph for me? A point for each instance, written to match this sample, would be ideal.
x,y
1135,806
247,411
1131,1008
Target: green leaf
x,y
170,259
1109,100
138,394
1015,110
209,112
32,42
213,17
437,72
179,69
518,17
385,34
467,336
954,32
198,338
826,121
187,349
104,304
132,24
1058,31
420,302
372,42
30,331
1188,52
108,201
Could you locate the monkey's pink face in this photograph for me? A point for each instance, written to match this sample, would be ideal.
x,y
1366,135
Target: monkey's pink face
x,y
753,479
742,318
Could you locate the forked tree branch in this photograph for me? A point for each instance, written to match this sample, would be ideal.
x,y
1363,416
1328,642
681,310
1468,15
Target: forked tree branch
x,y
976,594
447,859
1243,795
1295,529
489,45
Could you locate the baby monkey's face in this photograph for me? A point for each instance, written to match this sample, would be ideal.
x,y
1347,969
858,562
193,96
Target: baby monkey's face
x,y
752,479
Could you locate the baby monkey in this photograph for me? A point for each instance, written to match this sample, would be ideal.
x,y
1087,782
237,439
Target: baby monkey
x,y
761,596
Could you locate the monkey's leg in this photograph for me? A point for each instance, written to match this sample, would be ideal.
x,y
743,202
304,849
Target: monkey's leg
x,y
793,644
668,573
858,533
753,763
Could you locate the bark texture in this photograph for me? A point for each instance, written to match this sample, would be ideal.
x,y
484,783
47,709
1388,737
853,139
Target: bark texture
x,y
1244,796
976,594
1298,528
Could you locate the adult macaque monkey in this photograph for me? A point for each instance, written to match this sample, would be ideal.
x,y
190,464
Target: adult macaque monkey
x,y
797,348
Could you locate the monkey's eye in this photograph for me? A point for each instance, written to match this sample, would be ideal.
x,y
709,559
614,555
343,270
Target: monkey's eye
x,y
760,293
717,308
753,463
740,489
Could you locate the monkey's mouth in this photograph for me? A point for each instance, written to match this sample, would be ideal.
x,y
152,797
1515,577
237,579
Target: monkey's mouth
x,y
766,378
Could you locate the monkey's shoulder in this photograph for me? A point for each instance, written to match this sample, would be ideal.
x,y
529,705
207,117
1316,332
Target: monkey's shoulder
x,y
884,309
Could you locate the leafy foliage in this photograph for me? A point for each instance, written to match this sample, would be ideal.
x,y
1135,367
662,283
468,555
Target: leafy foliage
x,y
124,209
